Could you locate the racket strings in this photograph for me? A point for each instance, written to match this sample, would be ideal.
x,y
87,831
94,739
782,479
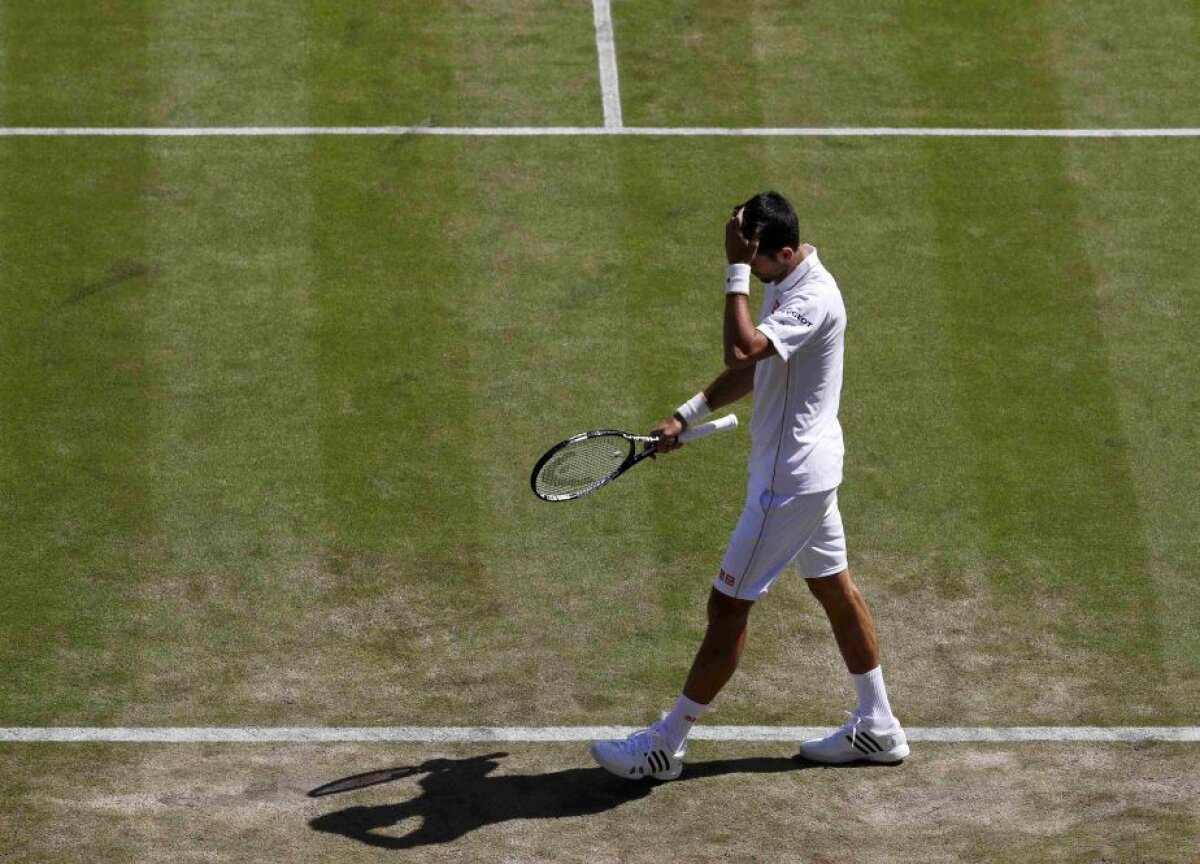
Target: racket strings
x,y
582,464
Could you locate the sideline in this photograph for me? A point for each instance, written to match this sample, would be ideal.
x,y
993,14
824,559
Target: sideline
x,y
606,50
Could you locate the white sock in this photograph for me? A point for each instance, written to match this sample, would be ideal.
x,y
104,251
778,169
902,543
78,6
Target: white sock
x,y
678,722
872,697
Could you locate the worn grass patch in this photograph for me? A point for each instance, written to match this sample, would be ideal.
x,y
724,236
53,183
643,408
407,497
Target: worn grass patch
x,y
947,803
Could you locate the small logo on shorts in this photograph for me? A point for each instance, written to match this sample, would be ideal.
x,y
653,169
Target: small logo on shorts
x,y
726,578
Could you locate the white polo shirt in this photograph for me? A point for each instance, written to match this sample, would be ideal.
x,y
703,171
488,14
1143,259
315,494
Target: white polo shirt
x,y
796,439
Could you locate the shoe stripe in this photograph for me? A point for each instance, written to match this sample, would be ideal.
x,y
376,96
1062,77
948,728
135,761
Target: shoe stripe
x,y
652,758
871,742
859,746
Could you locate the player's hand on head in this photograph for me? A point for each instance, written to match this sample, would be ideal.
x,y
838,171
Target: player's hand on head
x,y
668,430
739,249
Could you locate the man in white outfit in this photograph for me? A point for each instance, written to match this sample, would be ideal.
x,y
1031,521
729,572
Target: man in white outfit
x,y
792,360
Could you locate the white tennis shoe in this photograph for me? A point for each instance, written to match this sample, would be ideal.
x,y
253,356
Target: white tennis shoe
x,y
859,738
645,753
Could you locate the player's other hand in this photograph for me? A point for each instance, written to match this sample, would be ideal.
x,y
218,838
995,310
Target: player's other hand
x,y
668,430
739,250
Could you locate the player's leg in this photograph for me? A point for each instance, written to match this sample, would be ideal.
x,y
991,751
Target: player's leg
x,y
873,732
658,751
853,626
715,662
721,649
756,556
759,550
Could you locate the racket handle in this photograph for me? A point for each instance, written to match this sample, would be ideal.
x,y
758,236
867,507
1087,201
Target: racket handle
x,y
725,424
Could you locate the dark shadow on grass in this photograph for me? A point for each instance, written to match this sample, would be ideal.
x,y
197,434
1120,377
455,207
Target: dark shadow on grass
x,y
119,273
460,795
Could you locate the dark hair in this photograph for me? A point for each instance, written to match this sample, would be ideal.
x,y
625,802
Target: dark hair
x,y
781,225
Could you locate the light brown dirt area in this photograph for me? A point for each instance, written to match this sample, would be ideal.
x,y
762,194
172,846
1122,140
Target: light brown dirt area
x,y
547,802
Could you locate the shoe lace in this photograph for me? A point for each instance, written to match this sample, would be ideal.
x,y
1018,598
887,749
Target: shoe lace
x,y
851,726
638,742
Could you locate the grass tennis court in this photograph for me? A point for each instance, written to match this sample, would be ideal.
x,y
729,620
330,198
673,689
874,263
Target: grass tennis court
x,y
268,408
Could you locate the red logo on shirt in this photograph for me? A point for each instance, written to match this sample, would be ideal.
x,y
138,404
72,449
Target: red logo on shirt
x,y
726,578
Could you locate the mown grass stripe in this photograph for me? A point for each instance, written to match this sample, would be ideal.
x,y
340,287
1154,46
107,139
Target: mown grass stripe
x,y
542,734
1059,540
522,62
539,131
404,556
1146,308
83,61
1117,61
74,359
226,567
72,426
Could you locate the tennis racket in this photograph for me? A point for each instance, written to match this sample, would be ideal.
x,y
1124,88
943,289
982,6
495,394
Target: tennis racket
x,y
587,461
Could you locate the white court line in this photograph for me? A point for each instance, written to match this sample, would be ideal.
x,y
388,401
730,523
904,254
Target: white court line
x,y
606,49
486,734
580,131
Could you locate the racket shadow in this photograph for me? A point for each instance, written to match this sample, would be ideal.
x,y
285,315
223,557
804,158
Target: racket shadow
x,y
459,796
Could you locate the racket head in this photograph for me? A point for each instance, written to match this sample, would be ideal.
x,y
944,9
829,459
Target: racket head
x,y
582,464
362,781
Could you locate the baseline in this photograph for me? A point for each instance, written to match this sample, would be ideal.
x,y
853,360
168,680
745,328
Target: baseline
x,y
483,734
552,131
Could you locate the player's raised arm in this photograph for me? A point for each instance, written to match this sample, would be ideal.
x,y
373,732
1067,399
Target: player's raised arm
x,y
744,345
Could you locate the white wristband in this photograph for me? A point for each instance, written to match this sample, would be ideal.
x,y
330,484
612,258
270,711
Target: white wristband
x,y
737,279
694,409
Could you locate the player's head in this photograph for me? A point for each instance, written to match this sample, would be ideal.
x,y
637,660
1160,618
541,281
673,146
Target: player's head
x,y
780,238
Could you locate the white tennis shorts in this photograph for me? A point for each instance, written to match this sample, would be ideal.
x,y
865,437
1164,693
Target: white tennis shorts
x,y
776,530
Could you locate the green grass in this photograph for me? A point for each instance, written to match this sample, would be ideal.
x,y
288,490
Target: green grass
x,y
335,416
900,63
71,425
162,63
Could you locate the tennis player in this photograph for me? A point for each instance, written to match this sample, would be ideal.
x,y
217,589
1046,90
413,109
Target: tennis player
x,y
792,361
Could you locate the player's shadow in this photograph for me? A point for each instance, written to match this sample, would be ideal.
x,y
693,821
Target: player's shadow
x,y
460,795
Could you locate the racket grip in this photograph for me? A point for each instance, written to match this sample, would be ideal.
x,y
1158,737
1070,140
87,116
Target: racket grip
x,y
724,424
